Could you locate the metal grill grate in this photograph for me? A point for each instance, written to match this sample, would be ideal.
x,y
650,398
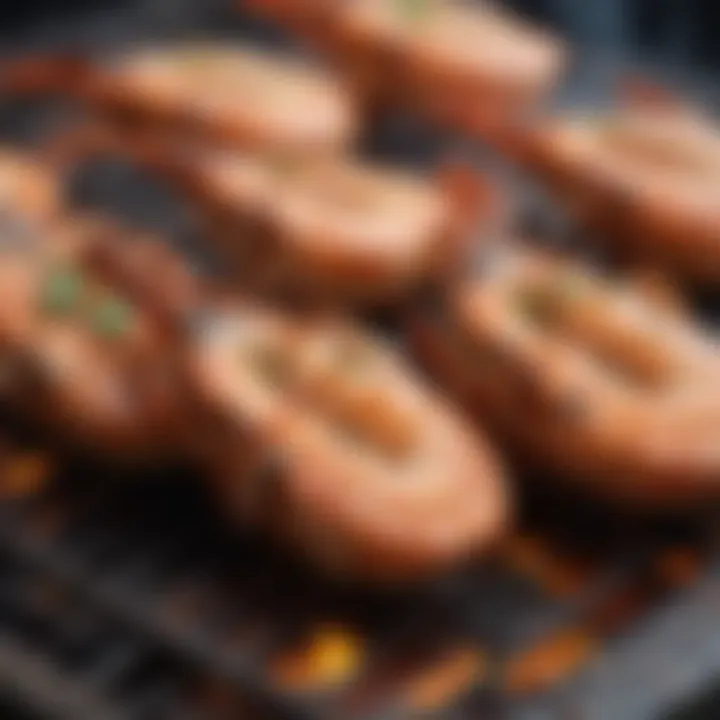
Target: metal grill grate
x,y
122,598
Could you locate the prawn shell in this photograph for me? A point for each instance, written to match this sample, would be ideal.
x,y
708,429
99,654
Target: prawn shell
x,y
353,510
560,408
646,210
333,231
105,395
485,58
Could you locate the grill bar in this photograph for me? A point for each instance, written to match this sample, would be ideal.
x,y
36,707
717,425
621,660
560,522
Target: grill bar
x,y
52,695
138,615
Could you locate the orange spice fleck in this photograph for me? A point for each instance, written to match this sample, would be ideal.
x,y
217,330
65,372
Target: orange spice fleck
x,y
443,682
550,661
332,657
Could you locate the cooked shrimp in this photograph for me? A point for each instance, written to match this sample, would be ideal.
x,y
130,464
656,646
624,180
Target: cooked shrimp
x,y
341,230
645,177
355,460
436,56
592,379
78,354
244,96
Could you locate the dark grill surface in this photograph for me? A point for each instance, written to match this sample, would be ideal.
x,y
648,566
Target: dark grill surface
x,y
121,597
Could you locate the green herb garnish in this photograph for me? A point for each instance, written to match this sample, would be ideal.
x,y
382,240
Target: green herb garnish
x,y
112,318
62,291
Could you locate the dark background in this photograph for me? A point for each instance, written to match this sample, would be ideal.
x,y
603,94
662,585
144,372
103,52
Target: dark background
x,y
682,31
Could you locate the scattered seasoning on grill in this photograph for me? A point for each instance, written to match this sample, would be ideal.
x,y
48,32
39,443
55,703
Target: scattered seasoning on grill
x,y
62,291
112,318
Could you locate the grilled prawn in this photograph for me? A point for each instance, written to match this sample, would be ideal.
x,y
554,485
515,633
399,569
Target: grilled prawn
x,y
645,176
602,382
436,56
79,353
338,230
324,437
242,96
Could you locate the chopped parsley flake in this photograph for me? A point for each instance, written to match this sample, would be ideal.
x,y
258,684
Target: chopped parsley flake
x,y
112,318
62,291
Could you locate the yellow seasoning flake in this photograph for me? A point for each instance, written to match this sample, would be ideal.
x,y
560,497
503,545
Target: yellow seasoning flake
x,y
332,658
